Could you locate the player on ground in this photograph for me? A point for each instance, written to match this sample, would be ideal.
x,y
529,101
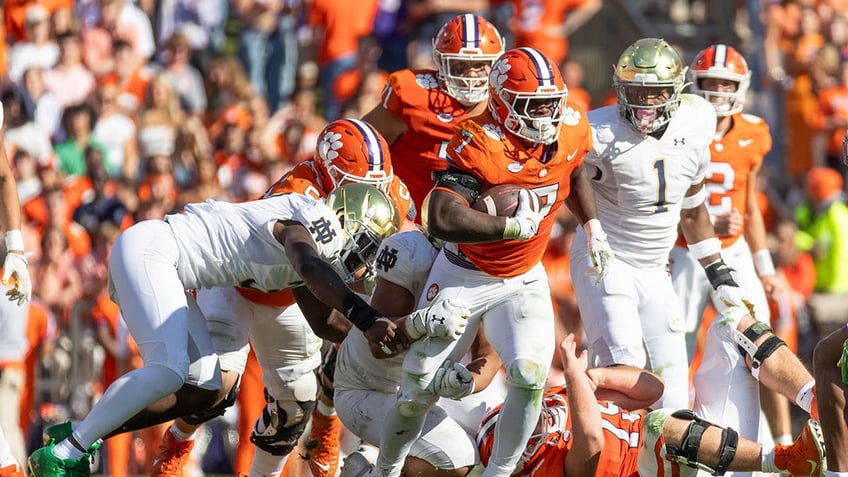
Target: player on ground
x,y
587,428
532,138
420,108
650,156
281,242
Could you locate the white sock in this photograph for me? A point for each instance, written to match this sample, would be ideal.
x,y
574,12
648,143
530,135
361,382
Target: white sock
x,y
835,473
66,450
325,409
767,457
179,435
265,463
805,396
785,439
6,457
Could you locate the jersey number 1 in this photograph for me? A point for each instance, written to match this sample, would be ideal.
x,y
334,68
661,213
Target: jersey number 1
x,y
660,204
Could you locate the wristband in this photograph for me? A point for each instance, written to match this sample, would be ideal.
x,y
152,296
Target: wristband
x,y
358,312
593,227
719,274
763,263
14,241
705,248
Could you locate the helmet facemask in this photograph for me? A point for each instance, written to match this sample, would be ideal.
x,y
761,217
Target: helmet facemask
x,y
637,108
648,79
725,103
536,117
724,65
367,215
453,76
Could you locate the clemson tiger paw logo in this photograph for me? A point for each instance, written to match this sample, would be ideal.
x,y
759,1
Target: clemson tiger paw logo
x,y
498,73
427,80
329,146
571,117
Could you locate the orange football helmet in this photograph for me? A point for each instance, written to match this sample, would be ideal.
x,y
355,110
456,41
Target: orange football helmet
x,y
725,63
550,433
527,95
350,150
466,38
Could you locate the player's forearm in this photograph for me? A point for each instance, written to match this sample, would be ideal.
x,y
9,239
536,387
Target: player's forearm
x,y
581,200
450,219
696,227
11,205
585,416
627,386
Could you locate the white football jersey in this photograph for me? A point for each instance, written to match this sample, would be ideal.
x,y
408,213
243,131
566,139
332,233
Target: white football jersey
x,y
404,259
226,244
639,182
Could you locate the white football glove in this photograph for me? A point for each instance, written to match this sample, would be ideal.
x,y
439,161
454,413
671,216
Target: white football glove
x,y
15,269
453,380
728,296
443,319
600,252
524,224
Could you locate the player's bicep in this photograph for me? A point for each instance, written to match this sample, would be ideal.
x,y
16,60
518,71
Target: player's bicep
x,y
389,124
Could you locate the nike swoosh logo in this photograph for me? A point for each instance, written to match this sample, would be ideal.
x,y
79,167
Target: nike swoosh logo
x,y
745,142
323,467
527,282
571,156
813,466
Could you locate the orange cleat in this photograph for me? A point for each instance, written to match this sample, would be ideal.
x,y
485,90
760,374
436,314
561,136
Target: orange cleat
x,y
171,457
12,470
814,406
322,446
805,456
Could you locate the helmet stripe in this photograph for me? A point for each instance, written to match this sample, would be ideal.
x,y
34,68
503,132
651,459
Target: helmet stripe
x,y
372,144
470,32
543,69
721,56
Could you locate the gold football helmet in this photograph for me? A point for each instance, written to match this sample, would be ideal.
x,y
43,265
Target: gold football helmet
x,y
368,215
649,77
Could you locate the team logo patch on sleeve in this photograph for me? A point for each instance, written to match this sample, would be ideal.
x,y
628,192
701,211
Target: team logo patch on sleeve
x,y
322,231
432,291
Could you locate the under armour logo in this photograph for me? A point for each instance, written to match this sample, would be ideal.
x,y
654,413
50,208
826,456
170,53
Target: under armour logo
x,y
387,259
439,319
322,230
679,141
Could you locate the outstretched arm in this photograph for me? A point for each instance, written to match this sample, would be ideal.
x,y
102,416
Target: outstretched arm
x,y
585,413
628,387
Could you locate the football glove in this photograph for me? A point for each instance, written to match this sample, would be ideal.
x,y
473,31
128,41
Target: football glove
x,y
600,252
453,380
524,224
443,319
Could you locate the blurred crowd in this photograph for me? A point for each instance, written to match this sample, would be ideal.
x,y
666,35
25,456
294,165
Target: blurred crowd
x,y
117,111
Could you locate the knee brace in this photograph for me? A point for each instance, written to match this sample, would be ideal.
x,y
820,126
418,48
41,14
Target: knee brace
x,y
414,399
280,425
219,409
524,373
745,341
687,453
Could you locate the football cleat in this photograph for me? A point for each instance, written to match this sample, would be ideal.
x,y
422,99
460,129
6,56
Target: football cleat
x,y
805,456
322,445
171,456
42,463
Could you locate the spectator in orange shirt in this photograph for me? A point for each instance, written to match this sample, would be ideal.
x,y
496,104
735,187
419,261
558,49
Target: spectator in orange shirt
x,y
56,279
338,27
573,75
41,333
833,103
547,24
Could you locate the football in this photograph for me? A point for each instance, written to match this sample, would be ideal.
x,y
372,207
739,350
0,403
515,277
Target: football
x,y
501,200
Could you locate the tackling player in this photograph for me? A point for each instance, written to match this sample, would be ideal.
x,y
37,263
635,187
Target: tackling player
x,y
282,242
287,349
